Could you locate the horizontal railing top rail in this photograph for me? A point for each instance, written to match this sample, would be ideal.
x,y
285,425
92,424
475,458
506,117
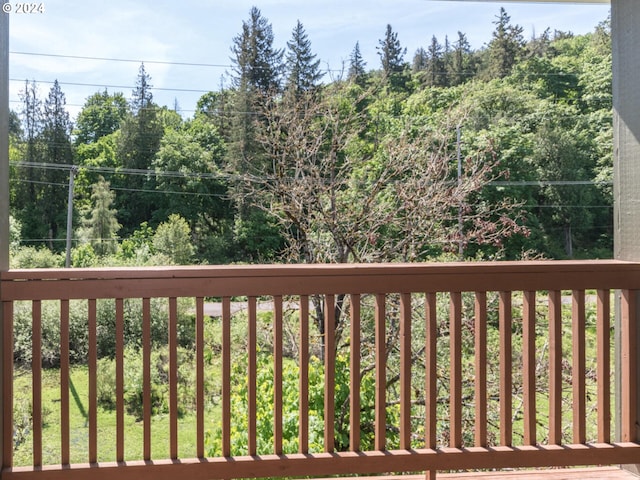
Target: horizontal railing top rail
x,y
257,280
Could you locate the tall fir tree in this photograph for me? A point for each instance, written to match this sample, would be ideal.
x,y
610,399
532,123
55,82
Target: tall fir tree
x,y
257,64
420,60
56,135
303,70
460,67
505,47
31,115
357,66
139,141
142,97
256,73
391,53
392,59
435,74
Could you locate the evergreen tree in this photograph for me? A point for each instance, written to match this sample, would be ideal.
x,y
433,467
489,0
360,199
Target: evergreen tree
x,y
256,77
30,179
420,60
460,66
356,66
142,97
139,140
435,71
257,69
31,127
505,47
302,67
56,135
257,64
101,226
540,46
40,204
391,53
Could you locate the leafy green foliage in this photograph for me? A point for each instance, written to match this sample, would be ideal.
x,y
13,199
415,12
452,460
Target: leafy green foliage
x,y
290,407
173,240
526,106
100,116
133,382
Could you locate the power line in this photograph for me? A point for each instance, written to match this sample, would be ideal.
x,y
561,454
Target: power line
x,y
100,85
226,176
127,60
137,190
222,65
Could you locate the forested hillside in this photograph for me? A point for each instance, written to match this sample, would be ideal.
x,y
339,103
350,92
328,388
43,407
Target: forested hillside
x,y
449,152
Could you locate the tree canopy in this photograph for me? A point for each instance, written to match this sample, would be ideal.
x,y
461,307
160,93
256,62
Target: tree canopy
x,y
500,152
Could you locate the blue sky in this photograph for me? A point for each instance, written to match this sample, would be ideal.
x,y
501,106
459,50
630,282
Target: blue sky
x,y
201,31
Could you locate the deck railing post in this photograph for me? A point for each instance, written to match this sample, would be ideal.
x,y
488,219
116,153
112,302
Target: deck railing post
x,y
4,180
625,33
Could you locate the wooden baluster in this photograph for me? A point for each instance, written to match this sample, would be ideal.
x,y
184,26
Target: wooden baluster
x,y
506,362
555,367
480,382
329,372
629,368
253,374
579,367
405,371
64,382
200,405
119,380
93,381
36,382
303,381
146,377
354,383
431,390
277,374
381,373
455,380
529,366
173,378
226,377
603,325
7,383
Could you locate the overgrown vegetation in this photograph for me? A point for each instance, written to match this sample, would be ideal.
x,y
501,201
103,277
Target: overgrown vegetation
x,y
282,167
501,152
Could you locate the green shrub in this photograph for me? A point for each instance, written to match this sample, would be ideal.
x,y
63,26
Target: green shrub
x,y
50,339
32,257
133,381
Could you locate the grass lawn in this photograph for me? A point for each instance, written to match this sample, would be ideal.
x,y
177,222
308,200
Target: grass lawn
x,y
79,427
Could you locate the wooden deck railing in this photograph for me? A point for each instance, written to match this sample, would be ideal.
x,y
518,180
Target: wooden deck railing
x,y
552,404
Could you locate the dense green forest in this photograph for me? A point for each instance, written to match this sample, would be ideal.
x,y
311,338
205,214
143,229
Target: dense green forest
x,y
500,152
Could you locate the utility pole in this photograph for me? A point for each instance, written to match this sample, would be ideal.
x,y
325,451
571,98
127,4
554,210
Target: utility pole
x,y
72,174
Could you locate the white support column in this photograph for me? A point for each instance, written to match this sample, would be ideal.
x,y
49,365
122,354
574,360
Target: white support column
x,y
4,178
625,26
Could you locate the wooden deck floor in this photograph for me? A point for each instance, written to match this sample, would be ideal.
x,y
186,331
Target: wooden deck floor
x,y
602,473
596,473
